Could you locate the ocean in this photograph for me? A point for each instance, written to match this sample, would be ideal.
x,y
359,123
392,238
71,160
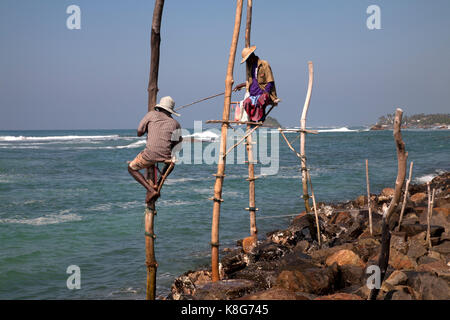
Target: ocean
x,y
67,199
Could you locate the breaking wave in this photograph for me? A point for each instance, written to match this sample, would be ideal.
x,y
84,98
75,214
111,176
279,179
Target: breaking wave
x,y
58,138
55,218
343,129
208,136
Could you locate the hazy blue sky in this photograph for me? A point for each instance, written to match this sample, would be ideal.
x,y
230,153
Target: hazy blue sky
x,y
96,77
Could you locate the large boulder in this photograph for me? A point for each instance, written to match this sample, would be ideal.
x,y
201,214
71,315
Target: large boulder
x,y
321,255
340,296
186,285
311,280
345,257
224,289
400,261
275,294
429,286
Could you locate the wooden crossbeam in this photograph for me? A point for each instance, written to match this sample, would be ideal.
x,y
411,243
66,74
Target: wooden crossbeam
x,y
235,122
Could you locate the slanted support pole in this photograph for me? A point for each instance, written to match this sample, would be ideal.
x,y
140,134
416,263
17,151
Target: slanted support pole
x,y
150,211
303,137
223,147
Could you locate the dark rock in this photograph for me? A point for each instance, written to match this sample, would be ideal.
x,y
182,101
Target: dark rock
x,y
443,248
340,296
301,246
413,229
400,261
268,251
275,294
262,273
398,242
428,286
438,268
341,218
351,275
401,293
186,285
426,259
366,248
312,280
234,261
416,249
224,289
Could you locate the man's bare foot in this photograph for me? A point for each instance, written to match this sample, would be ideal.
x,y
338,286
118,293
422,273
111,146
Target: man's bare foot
x,y
153,195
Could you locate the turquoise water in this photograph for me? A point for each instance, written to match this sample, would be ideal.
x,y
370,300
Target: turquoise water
x,y
66,199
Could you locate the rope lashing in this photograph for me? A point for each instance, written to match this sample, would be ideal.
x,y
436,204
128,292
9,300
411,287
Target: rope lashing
x,y
151,235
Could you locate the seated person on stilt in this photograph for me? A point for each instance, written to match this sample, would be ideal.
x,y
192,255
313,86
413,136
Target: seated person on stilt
x,y
163,134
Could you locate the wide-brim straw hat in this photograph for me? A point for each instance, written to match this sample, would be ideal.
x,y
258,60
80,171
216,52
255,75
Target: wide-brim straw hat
x,y
246,52
167,104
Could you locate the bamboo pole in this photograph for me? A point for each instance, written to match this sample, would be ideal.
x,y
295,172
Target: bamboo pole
x,y
405,198
303,136
319,237
249,142
223,147
150,210
402,156
369,203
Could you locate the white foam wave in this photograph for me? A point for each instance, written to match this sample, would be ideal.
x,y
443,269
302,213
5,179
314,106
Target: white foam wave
x,y
428,177
203,136
133,145
343,129
56,218
58,138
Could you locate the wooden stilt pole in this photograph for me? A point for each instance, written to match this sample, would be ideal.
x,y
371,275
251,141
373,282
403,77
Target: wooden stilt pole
x,y
150,211
303,137
249,142
223,147
402,156
150,258
369,202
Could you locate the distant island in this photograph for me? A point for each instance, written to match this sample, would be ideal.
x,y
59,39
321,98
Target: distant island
x,y
417,121
271,122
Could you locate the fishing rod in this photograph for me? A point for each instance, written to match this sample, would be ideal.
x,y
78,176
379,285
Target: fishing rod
x,y
237,88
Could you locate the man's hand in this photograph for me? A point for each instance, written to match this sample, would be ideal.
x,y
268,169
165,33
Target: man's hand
x,y
239,87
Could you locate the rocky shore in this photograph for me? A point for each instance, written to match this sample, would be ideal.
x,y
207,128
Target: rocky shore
x,y
289,265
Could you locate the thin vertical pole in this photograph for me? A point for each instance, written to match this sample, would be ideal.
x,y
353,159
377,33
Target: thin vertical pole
x,y
303,137
150,210
150,258
223,147
249,142
369,202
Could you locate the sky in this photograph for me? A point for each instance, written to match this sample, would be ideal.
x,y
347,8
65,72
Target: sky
x,y
96,77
